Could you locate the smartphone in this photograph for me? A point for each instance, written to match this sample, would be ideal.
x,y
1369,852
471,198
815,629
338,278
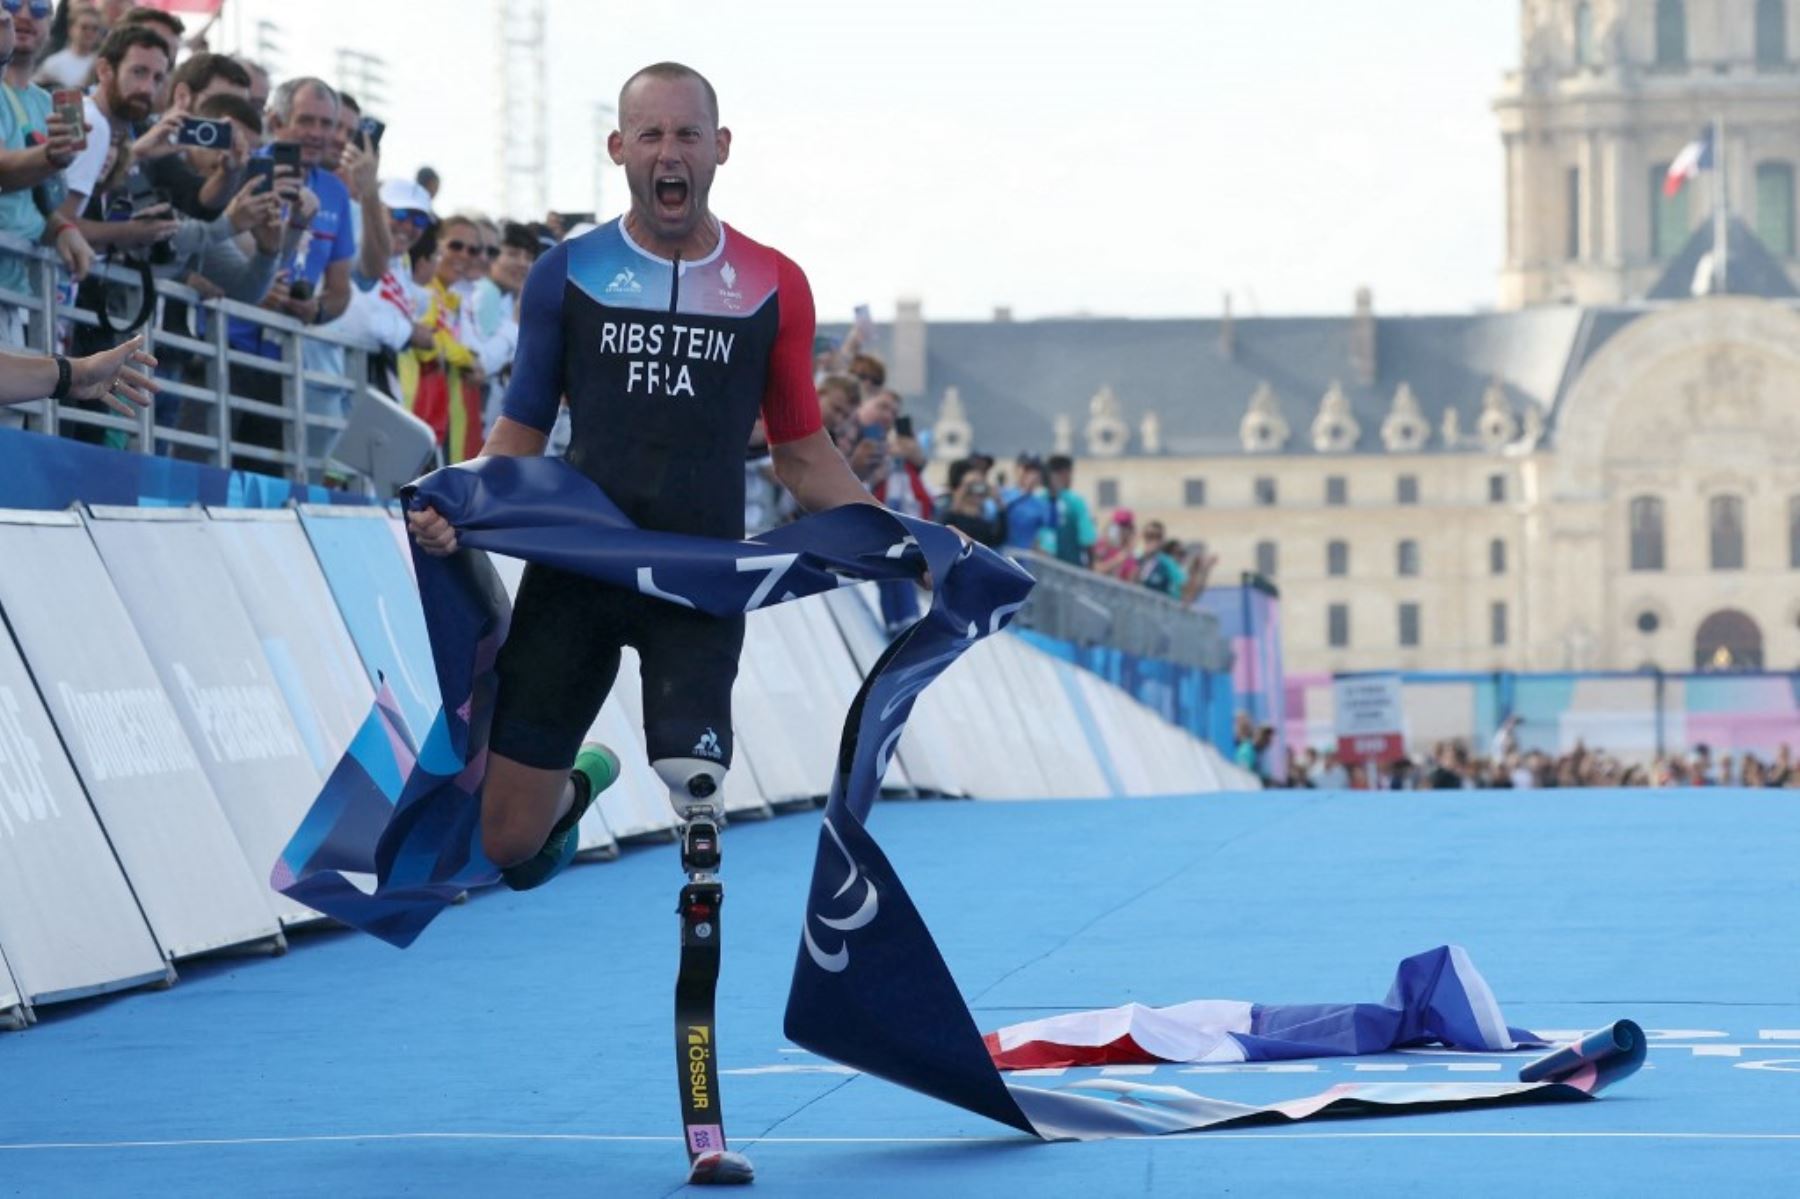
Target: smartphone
x,y
263,171
69,108
903,426
285,154
204,134
368,133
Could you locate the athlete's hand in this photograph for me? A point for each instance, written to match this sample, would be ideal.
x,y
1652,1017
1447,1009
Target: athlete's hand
x,y
433,533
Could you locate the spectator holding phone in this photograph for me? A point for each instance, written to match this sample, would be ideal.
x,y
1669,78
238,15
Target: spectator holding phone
x,y
36,143
70,66
353,154
133,63
313,285
971,508
182,139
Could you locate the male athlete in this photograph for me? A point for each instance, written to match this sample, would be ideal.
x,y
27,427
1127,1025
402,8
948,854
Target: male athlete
x,y
670,333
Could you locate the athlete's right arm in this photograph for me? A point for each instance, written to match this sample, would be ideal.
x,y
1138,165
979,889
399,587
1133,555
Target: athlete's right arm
x,y
529,412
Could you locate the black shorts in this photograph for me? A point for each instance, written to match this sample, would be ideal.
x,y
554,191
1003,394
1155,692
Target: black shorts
x,y
562,655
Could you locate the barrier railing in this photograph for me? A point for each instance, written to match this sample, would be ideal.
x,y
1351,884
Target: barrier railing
x,y
204,431
1076,605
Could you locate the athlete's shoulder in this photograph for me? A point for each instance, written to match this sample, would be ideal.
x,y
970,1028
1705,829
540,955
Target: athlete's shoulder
x,y
743,245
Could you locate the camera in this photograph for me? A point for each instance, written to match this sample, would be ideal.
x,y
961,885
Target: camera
x,y
300,289
368,133
204,134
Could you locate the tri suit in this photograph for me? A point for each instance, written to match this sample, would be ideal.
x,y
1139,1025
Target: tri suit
x,y
666,367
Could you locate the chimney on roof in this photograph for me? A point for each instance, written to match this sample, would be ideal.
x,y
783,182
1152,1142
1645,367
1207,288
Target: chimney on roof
x,y
906,359
1227,332
1362,338
1003,314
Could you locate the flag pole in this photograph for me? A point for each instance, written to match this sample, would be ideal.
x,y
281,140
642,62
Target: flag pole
x,y
1721,229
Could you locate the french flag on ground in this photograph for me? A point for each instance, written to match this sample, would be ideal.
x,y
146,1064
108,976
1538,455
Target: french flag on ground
x,y
1438,997
1695,157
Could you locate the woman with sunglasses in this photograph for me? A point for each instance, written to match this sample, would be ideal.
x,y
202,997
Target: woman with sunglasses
x,y
443,384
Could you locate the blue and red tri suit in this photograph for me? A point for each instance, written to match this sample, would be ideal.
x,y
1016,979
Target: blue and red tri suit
x,y
666,367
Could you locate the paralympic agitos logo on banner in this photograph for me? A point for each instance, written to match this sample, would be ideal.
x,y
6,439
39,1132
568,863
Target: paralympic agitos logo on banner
x,y
838,960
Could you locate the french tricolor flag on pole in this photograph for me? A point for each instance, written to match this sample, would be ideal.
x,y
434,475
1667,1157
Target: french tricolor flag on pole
x,y
1695,157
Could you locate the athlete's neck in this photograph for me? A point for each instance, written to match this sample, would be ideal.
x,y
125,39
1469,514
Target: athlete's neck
x,y
695,246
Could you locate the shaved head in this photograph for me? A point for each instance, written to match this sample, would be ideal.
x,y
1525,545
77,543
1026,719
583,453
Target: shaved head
x,y
672,71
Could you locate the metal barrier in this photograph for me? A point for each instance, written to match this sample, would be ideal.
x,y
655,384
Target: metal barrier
x,y
214,442
1072,603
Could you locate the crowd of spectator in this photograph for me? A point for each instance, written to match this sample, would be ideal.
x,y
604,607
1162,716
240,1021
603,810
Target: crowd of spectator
x,y
1450,766
1028,504
281,203
124,138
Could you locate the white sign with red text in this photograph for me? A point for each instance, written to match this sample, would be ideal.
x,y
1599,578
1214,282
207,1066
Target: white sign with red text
x,y
1370,724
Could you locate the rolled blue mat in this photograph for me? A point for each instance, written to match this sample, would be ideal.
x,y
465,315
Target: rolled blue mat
x,y
1603,1056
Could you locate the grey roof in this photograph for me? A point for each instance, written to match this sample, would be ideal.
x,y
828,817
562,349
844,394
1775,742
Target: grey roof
x,y
1750,268
1016,377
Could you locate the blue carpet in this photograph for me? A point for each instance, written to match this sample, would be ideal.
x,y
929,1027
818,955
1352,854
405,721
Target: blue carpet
x,y
536,1028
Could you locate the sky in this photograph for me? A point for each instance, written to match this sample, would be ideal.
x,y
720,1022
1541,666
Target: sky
x,y
1120,158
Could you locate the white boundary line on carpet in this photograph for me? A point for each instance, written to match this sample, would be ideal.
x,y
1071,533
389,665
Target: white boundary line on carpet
x,y
610,1138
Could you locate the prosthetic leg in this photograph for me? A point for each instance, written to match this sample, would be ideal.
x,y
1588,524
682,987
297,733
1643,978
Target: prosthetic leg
x,y
695,789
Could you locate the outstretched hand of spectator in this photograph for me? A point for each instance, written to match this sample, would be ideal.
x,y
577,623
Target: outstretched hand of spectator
x,y
110,377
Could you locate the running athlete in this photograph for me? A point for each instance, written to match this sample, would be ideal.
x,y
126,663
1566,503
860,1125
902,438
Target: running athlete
x,y
669,332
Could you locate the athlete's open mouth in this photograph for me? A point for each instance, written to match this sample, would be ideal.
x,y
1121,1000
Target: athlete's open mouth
x,y
671,191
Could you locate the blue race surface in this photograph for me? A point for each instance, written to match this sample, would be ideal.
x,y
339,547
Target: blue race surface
x,y
524,1044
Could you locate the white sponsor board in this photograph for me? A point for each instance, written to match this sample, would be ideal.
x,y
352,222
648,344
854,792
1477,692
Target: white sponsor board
x,y
68,919
182,599
303,638
126,739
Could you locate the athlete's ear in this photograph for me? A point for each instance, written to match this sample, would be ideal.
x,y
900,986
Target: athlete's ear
x,y
615,147
722,140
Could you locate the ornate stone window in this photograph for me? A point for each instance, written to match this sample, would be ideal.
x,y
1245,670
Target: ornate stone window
x,y
1334,429
1671,33
1406,558
1337,558
951,435
1404,431
1771,33
1498,425
1264,429
1646,533
1725,532
1584,34
1106,432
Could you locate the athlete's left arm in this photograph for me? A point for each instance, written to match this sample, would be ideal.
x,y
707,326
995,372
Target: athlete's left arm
x,y
817,474
806,460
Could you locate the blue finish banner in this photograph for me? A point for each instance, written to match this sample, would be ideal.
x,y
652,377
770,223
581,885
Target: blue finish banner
x,y
870,988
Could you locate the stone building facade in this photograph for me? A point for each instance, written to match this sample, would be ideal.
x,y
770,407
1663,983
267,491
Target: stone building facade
x,y
1604,475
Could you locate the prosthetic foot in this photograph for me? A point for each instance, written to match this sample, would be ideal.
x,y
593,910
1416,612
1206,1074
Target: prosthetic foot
x,y
694,789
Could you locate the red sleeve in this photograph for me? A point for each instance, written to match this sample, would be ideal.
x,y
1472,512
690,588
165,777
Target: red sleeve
x,y
790,404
